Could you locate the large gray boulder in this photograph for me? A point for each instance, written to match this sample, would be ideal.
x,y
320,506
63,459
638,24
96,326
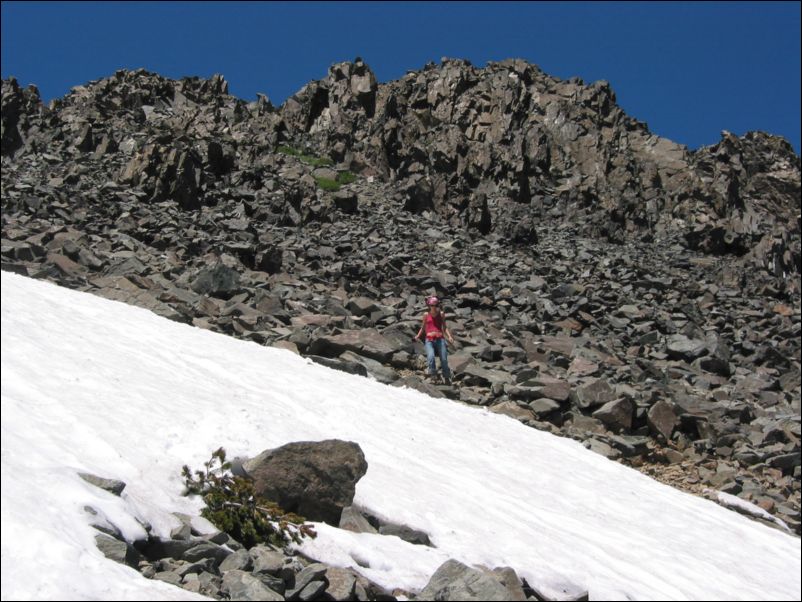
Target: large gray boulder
x,y
367,342
315,479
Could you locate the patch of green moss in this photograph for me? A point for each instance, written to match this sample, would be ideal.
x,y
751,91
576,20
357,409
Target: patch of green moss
x,y
346,177
307,159
327,184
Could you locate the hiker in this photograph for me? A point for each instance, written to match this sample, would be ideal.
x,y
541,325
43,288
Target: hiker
x,y
434,325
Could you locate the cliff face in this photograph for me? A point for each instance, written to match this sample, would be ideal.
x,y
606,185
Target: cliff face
x,y
505,147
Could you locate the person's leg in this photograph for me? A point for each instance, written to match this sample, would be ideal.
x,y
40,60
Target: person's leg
x,y
444,360
430,358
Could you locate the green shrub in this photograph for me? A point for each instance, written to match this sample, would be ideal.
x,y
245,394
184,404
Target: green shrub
x,y
346,177
330,185
327,184
316,161
308,159
232,507
288,150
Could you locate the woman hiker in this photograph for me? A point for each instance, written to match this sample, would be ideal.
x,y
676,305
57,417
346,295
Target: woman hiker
x,y
434,325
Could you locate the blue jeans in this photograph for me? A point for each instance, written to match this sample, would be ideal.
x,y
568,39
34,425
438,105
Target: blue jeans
x,y
437,346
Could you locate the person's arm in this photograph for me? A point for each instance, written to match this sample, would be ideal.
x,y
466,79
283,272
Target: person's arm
x,y
422,326
446,331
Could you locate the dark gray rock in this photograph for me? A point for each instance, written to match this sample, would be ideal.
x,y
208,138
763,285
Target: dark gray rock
x,y
238,561
206,550
342,584
617,415
101,522
567,592
368,342
314,479
267,561
219,281
408,534
309,583
346,201
681,347
456,581
544,407
169,577
169,548
342,365
595,393
662,418
374,368
513,410
239,585
113,486
353,520
118,551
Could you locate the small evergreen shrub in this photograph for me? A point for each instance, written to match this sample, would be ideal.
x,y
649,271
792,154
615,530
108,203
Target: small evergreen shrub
x,y
232,507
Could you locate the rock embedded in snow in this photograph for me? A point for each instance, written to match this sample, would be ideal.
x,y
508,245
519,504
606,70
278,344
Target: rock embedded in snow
x,y
315,479
561,592
117,550
113,486
353,520
413,536
456,581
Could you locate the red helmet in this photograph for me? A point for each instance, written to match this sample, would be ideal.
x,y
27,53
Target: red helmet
x,y
432,300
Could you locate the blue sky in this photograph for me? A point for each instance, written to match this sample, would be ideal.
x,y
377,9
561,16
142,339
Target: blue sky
x,y
688,69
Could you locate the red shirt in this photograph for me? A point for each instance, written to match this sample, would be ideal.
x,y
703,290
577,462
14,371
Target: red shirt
x,y
434,326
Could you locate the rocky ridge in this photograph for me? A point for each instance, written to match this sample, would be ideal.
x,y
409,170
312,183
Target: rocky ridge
x,y
603,283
